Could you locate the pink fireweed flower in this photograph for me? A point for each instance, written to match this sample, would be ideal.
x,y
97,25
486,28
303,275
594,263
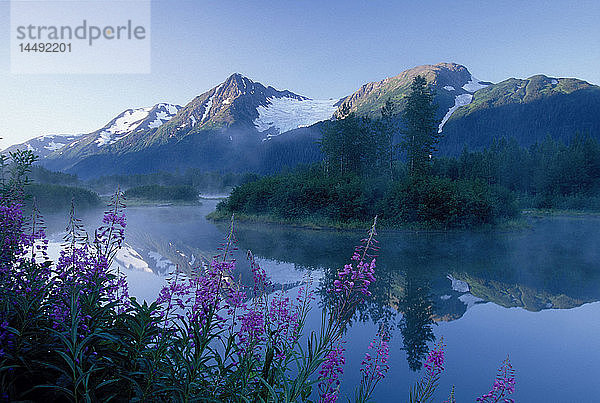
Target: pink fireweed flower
x,y
375,368
261,284
434,364
252,329
284,322
331,370
352,282
504,385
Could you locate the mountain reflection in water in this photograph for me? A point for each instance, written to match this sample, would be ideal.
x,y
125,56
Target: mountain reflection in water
x,y
424,278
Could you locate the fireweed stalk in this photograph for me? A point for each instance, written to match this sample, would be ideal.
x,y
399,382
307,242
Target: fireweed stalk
x,y
349,289
374,366
504,385
424,389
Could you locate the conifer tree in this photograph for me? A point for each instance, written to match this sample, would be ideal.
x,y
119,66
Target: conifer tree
x,y
421,126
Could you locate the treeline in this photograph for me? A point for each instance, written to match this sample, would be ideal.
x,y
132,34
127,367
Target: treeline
x,y
39,174
549,174
54,191
50,191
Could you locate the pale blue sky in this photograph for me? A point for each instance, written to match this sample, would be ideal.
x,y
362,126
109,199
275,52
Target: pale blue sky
x,y
321,49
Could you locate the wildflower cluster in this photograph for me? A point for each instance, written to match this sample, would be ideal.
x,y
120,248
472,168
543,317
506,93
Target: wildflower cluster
x,y
424,389
329,374
6,338
70,332
434,365
504,385
352,282
374,365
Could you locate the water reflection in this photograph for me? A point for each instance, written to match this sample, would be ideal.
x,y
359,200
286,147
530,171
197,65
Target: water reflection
x,y
455,284
417,320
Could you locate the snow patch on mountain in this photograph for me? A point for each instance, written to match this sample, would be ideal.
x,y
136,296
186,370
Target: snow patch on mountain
x,y
460,100
207,108
171,109
128,121
46,144
473,85
123,125
449,88
52,146
286,113
133,119
554,81
161,118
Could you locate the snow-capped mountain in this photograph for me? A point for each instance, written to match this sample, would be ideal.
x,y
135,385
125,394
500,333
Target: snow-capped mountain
x,y
43,146
129,122
125,128
240,103
133,120
225,128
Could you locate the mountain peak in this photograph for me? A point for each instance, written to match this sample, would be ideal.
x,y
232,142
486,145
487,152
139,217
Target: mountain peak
x,y
237,81
452,82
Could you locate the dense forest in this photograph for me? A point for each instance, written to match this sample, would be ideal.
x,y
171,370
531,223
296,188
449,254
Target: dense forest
x,y
378,167
549,174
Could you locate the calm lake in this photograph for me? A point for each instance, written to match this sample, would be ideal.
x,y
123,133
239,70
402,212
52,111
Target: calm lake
x,y
530,293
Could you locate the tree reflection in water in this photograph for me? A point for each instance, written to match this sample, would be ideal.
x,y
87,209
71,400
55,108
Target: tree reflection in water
x,y
417,320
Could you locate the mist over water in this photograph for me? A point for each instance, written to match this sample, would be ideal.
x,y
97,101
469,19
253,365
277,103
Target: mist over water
x,y
531,293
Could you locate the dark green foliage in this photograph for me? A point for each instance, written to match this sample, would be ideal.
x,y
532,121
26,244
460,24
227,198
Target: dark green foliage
x,y
163,193
58,197
437,201
42,175
354,145
420,134
528,110
309,195
305,194
15,171
549,174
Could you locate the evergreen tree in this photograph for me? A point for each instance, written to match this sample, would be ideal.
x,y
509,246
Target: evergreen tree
x,y
421,126
388,128
352,145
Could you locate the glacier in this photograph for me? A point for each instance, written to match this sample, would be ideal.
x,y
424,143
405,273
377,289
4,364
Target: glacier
x,y
285,113
460,100
473,85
